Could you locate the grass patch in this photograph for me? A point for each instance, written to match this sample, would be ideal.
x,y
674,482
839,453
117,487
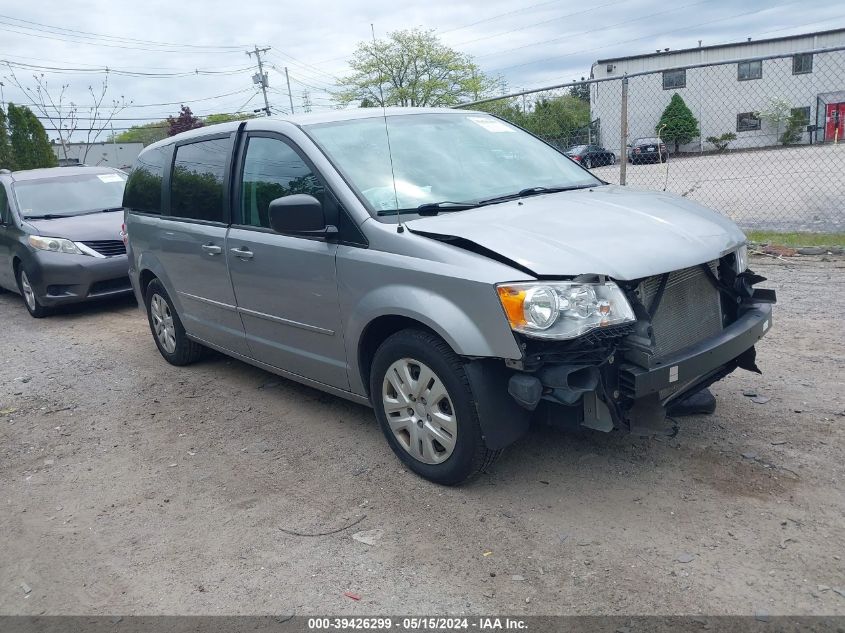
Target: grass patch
x,y
797,239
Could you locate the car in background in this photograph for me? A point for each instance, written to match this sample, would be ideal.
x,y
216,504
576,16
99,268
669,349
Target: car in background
x,y
61,235
648,149
591,155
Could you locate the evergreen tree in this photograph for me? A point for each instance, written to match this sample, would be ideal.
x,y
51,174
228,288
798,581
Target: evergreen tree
x,y
29,143
5,146
677,123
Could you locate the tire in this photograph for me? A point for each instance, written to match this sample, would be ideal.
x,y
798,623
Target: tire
x,y
30,300
167,329
612,159
588,163
452,418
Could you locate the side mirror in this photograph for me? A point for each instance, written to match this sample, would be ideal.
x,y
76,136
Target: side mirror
x,y
300,215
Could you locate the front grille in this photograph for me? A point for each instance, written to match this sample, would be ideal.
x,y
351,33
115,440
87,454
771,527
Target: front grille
x,y
109,248
690,309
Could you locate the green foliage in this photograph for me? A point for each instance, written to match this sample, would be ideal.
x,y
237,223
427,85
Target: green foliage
x,y
776,113
722,141
795,126
212,119
6,161
555,119
677,123
30,147
581,91
147,134
412,68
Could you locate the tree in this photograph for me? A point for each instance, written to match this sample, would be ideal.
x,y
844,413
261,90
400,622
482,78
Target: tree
x,y
777,112
795,126
29,143
63,115
6,161
412,68
581,91
677,123
213,119
722,141
183,122
147,133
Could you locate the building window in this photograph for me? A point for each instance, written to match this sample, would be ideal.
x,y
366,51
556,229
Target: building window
x,y
802,63
801,114
747,122
673,79
749,70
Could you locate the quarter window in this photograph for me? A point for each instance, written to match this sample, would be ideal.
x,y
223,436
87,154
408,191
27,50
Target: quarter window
x,y
749,70
272,169
673,79
802,63
747,122
196,187
143,189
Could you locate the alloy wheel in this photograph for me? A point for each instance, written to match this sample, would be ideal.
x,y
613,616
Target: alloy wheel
x,y
419,411
163,323
28,292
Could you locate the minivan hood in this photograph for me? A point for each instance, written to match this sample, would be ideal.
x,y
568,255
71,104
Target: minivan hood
x,y
609,230
81,228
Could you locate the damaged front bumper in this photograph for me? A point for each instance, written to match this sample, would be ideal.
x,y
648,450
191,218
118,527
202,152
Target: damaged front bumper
x,y
605,382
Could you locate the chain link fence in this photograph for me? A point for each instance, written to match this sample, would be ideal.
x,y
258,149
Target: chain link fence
x,y
759,139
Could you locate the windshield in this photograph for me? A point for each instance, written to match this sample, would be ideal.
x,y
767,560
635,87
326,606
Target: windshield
x,y
455,157
69,195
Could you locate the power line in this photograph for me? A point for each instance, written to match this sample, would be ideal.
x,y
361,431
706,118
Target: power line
x,y
123,72
183,101
83,37
499,15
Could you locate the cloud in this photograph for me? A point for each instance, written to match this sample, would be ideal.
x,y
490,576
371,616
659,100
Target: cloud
x,y
530,44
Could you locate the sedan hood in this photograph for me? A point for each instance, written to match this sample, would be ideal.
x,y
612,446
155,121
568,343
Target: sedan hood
x,y
608,230
81,228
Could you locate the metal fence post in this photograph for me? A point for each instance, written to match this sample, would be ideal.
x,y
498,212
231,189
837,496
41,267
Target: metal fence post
x,y
623,134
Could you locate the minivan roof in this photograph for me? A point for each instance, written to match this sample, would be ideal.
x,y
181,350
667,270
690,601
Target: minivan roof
x,y
58,172
328,116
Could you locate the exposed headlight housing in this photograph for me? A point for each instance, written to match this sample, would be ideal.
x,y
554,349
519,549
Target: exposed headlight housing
x,y
54,244
563,309
741,258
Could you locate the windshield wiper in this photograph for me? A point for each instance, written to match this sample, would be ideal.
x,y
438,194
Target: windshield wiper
x,y
433,208
531,191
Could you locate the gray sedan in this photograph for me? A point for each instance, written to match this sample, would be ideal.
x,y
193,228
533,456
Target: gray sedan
x,y
60,235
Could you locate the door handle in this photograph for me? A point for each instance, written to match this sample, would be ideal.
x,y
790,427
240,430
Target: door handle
x,y
242,252
212,249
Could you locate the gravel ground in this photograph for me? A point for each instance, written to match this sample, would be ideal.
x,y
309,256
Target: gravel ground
x,y
134,487
797,188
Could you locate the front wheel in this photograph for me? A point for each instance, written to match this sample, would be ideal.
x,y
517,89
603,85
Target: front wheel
x,y
613,159
426,409
168,332
30,300
588,163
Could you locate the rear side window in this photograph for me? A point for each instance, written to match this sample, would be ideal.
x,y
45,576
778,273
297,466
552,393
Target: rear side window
x,y
196,189
143,189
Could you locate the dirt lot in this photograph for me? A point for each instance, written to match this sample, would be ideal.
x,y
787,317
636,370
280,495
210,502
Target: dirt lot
x,y
797,188
134,487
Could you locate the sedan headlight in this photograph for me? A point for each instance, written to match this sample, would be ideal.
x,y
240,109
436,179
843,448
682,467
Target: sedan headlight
x,y
565,309
54,244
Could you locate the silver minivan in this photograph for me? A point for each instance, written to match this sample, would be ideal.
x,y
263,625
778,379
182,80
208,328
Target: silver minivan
x,y
456,273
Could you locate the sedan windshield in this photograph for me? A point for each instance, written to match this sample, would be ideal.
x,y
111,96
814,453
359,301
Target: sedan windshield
x,y
69,195
454,158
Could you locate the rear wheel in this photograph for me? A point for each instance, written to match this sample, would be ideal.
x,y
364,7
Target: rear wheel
x,y
168,332
30,300
426,409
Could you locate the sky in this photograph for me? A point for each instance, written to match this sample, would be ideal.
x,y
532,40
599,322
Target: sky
x,y
163,54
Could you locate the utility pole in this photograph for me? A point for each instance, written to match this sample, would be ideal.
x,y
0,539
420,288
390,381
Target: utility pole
x,y
290,94
261,77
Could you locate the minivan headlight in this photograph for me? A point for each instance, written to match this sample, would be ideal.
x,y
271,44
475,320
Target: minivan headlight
x,y
564,309
54,244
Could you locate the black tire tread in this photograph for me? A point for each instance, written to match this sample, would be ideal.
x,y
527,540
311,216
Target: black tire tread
x,y
187,351
482,457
